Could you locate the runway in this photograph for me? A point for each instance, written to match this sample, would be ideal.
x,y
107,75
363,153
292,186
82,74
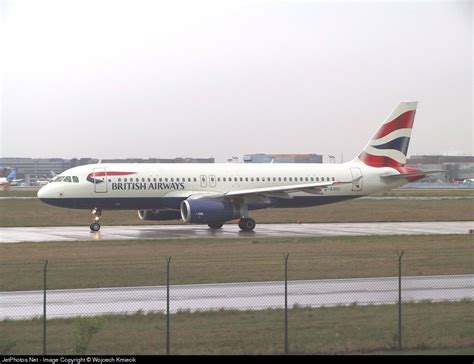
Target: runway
x,y
237,296
82,233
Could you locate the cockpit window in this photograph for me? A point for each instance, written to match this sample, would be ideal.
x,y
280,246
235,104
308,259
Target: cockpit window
x,y
75,179
67,179
58,178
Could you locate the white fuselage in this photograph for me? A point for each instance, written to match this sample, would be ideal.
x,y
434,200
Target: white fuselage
x,y
164,186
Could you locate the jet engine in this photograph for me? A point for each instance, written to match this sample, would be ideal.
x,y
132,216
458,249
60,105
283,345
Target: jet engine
x,y
209,211
159,215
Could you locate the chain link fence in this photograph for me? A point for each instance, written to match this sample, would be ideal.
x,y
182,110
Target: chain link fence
x,y
291,303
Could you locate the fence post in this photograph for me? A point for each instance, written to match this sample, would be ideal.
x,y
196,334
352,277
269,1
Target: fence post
x,y
400,255
44,306
168,260
285,256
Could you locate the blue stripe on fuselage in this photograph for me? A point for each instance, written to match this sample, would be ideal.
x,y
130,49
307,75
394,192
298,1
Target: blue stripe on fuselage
x,y
144,203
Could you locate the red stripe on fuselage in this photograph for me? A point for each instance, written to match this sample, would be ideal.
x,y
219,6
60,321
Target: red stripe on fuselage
x,y
99,174
403,121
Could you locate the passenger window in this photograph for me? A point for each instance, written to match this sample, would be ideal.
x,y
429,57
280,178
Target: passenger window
x,y
154,179
306,179
312,179
279,179
224,179
137,179
251,179
212,179
246,179
161,179
235,179
76,180
334,178
172,179
284,179
166,179
189,179
241,179
258,180
120,180
290,179
67,179
195,179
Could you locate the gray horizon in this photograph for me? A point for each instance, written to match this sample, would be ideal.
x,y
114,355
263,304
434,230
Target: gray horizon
x,y
141,79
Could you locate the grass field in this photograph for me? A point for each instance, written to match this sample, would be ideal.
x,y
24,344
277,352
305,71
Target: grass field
x,y
336,330
429,328
33,212
135,263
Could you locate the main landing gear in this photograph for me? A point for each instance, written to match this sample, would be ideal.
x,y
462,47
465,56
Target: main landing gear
x,y
95,226
247,224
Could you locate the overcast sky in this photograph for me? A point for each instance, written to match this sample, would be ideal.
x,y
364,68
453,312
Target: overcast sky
x,y
113,79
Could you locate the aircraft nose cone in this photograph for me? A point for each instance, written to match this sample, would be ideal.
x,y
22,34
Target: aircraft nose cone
x,y
44,192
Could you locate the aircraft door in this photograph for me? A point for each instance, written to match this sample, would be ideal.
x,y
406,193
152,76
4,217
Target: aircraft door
x,y
356,179
100,180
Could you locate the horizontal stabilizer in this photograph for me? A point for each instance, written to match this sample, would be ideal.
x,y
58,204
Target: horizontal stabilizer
x,y
414,174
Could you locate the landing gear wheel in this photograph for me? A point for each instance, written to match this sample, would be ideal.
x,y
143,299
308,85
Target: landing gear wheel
x,y
247,224
215,225
95,226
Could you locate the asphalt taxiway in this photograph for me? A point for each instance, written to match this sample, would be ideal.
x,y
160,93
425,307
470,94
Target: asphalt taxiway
x,y
82,233
235,296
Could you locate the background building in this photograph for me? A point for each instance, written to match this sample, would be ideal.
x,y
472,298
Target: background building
x,y
458,168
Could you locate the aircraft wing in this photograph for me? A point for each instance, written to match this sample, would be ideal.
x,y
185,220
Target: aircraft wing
x,y
392,177
265,192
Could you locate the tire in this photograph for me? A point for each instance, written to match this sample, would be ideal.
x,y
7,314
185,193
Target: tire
x,y
95,226
216,225
247,224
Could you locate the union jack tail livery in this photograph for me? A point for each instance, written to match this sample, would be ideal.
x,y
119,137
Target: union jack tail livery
x,y
389,146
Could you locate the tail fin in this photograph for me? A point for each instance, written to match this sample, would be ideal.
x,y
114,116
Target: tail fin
x,y
12,175
389,146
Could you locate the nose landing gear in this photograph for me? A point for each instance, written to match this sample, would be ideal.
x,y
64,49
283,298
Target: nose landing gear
x,y
95,226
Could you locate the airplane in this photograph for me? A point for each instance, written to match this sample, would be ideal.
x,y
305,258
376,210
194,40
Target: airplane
x,y
10,180
43,182
216,193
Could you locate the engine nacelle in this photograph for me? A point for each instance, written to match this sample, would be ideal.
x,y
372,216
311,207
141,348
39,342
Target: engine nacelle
x,y
209,211
159,215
